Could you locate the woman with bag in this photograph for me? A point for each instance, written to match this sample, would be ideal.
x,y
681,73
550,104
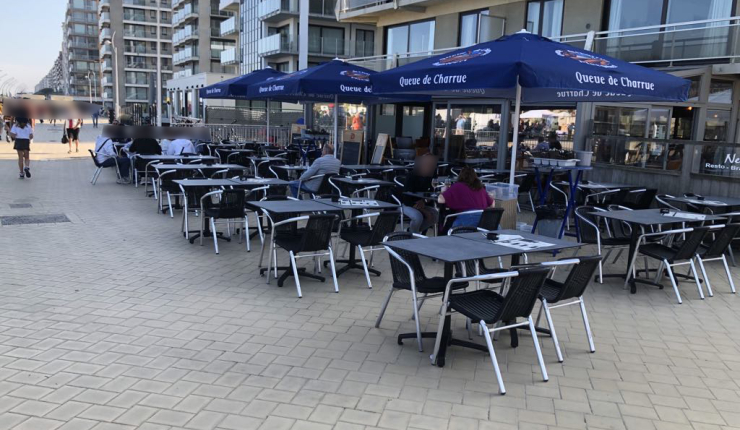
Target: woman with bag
x,y
73,134
22,133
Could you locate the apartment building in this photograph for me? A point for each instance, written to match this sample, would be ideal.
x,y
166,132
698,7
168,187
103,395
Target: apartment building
x,y
693,39
53,82
80,51
135,38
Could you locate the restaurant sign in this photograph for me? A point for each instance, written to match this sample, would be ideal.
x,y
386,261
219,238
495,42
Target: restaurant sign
x,y
720,161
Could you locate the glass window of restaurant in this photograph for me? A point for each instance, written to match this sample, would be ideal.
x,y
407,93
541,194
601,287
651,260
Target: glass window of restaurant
x,y
414,38
471,130
545,17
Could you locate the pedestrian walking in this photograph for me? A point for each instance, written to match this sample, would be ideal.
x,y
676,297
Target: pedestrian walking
x,y
111,116
8,124
95,116
22,133
73,133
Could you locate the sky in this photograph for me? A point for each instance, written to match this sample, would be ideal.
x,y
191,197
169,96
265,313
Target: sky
x,y
31,39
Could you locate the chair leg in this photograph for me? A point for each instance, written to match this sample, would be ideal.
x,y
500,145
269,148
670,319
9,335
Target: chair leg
x,y
202,227
364,266
270,255
169,205
416,321
590,336
295,274
554,335
729,275
673,281
494,361
537,349
384,307
704,275
213,233
246,233
274,262
154,189
333,269
696,279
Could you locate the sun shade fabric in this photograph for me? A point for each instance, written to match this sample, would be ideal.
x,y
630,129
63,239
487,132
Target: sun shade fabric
x,y
236,88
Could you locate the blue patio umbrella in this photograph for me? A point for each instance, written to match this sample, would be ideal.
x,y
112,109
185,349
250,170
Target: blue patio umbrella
x,y
530,68
236,88
334,81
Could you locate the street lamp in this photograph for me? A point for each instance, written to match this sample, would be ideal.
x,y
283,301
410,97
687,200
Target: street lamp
x,y
115,73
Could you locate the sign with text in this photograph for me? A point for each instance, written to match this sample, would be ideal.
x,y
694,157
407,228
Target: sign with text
x,y
720,160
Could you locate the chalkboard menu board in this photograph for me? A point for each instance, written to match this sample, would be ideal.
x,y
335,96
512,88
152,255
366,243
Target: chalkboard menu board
x,y
351,153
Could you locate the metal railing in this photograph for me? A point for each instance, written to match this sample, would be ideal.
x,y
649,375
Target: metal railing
x,y
344,6
242,133
229,26
228,56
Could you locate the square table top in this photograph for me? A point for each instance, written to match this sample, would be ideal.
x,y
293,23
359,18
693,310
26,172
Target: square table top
x,y
358,204
258,181
555,243
176,157
363,182
712,201
654,217
291,167
198,166
423,195
477,160
563,168
293,206
375,167
261,159
204,182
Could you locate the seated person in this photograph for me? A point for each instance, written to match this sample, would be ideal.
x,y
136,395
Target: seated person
x,y
145,146
106,155
541,145
180,146
326,164
420,181
467,194
554,143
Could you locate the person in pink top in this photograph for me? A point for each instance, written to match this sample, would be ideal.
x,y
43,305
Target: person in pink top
x,y
467,194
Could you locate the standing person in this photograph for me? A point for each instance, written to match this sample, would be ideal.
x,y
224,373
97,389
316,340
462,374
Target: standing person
x,y
95,116
22,133
467,194
8,124
111,116
73,133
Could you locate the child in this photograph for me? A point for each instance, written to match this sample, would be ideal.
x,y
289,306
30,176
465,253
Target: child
x,y
22,133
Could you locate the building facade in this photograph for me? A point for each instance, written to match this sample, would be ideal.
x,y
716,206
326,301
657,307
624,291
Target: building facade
x,y
665,144
80,51
135,38
53,82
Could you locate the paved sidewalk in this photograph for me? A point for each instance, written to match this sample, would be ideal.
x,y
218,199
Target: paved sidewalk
x,y
112,321
47,142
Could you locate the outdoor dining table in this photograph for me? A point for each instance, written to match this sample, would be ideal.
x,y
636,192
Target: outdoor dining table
x,y
476,161
376,167
176,157
544,188
292,208
257,182
473,246
726,204
645,218
201,167
363,182
198,183
356,206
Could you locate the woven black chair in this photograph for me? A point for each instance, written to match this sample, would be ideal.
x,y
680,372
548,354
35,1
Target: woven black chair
x,y
408,275
556,294
230,208
525,187
314,241
490,219
490,308
192,203
287,229
640,199
99,167
716,251
594,230
369,240
167,188
670,256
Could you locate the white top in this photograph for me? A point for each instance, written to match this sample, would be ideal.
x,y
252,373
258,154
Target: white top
x,y
179,146
22,133
104,148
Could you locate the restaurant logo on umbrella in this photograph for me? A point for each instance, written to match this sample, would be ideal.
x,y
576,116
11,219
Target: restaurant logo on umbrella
x,y
356,74
462,57
584,58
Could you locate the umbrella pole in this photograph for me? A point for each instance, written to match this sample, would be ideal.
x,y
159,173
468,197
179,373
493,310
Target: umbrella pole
x,y
268,121
517,111
336,123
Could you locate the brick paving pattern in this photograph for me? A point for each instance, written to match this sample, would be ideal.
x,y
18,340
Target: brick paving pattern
x,y
112,321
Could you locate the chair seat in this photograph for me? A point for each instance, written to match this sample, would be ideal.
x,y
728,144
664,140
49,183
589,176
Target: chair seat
x,y
478,305
551,290
218,213
615,241
658,251
357,236
430,285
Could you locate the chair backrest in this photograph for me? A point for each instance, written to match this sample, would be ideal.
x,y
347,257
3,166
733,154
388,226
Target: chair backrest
x,y
662,201
317,234
691,243
384,225
325,187
579,277
469,264
399,270
232,204
588,225
491,218
92,154
527,183
645,200
522,293
722,241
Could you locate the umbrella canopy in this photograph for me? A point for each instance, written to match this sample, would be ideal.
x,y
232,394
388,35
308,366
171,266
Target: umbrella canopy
x,y
547,71
236,88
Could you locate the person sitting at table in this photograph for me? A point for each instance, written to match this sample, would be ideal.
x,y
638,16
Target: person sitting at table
x,y
326,164
467,194
105,154
541,145
552,140
180,146
421,216
145,146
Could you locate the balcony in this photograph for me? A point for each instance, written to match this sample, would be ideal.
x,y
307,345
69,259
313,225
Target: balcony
x,y
229,5
106,50
103,5
275,45
187,54
185,14
277,10
140,65
229,56
369,10
221,13
329,47
182,74
106,66
105,34
107,81
105,18
185,34
230,26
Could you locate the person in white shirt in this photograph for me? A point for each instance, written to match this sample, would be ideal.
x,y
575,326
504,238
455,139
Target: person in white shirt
x,y
165,144
180,146
105,154
22,133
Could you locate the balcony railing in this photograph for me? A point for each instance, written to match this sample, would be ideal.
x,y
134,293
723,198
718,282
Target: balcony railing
x,y
228,56
182,74
105,34
328,46
276,44
184,13
218,12
268,8
186,33
668,44
230,26
232,5
345,6
105,17
184,55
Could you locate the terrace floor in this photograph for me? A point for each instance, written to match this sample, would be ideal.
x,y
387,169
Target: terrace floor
x,y
112,321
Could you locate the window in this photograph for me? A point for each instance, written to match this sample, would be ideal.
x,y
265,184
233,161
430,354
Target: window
x,y
720,92
416,37
325,40
716,126
153,15
364,43
153,30
475,28
164,31
545,17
